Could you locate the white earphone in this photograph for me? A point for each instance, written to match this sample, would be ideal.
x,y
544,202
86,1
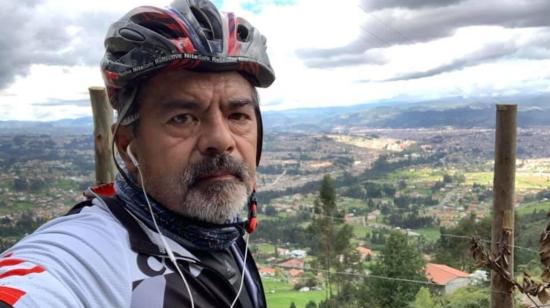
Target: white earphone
x,y
164,243
131,155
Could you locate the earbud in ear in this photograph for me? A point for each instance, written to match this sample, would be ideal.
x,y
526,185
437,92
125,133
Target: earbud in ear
x,y
131,155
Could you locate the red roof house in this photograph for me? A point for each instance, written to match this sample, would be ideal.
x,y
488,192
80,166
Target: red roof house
x,y
266,271
449,279
292,263
364,252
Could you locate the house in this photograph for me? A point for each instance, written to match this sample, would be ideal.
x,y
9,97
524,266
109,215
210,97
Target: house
x,y
266,272
292,263
448,279
364,252
294,273
283,252
298,253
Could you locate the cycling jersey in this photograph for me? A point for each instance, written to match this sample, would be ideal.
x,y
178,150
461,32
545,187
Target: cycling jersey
x,y
100,255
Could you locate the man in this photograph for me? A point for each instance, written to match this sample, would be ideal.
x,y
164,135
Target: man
x,y
169,232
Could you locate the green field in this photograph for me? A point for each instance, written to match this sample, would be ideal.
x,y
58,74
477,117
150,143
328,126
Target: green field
x,y
265,248
18,206
524,180
431,234
416,175
280,294
528,208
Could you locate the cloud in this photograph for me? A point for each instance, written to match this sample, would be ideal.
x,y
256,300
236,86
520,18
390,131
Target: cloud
x,y
34,34
409,4
65,102
387,24
510,48
485,54
329,59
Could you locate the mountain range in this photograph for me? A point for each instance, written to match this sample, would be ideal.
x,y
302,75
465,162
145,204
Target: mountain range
x,y
452,112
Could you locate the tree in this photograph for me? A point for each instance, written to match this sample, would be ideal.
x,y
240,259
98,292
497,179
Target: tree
x,y
270,210
398,259
311,304
423,299
331,241
452,248
468,298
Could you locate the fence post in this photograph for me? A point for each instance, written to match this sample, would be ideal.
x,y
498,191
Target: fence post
x,y
103,118
502,237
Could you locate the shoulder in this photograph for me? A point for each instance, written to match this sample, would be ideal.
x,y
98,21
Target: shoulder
x,y
84,253
92,229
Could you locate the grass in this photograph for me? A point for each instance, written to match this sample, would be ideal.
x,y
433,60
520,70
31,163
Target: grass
x,y
416,175
265,248
280,294
528,208
524,180
66,184
431,234
17,206
360,231
6,184
348,203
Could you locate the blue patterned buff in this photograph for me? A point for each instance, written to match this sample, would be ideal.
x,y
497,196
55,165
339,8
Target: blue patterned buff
x,y
186,231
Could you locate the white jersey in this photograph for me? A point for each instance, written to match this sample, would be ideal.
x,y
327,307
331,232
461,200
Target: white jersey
x,y
90,259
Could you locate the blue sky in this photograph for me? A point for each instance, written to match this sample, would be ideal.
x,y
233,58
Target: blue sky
x,y
324,53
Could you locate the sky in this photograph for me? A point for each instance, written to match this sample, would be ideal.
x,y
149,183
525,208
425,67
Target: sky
x,y
324,52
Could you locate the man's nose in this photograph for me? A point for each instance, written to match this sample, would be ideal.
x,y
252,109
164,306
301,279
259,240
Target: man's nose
x,y
216,136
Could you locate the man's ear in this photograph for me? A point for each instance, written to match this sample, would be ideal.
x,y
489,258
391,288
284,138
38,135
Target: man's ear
x,y
124,136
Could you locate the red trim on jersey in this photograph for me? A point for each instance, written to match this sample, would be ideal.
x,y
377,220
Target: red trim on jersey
x,y
7,255
10,295
22,271
104,190
8,262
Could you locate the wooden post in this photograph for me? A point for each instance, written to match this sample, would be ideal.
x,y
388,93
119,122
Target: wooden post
x,y
503,203
103,118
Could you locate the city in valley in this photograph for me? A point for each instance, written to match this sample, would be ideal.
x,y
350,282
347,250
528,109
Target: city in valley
x,y
433,184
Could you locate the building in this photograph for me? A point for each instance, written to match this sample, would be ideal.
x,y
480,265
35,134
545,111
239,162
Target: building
x,y
298,253
364,252
266,272
292,263
448,279
283,252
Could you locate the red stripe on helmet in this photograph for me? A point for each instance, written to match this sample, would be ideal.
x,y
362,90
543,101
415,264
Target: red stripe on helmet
x,y
187,46
110,77
233,48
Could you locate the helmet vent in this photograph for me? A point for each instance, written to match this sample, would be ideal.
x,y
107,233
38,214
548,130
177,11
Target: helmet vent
x,y
242,33
204,22
131,35
160,28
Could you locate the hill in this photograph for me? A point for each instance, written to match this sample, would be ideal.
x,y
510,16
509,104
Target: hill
x,y
451,112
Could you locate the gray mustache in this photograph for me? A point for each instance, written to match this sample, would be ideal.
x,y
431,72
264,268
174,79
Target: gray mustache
x,y
213,165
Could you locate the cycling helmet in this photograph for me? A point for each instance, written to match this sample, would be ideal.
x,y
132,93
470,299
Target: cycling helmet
x,y
189,34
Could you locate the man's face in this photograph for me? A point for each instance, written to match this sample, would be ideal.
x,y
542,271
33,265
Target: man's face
x,y
196,142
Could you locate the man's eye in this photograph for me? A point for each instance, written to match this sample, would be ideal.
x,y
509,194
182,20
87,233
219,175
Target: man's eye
x,y
238,116
182,119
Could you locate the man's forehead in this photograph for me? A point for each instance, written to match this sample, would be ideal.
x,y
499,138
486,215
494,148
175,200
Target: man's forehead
x,y
189,86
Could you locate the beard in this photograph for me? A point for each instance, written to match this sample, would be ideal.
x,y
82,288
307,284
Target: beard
x,y
190,193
